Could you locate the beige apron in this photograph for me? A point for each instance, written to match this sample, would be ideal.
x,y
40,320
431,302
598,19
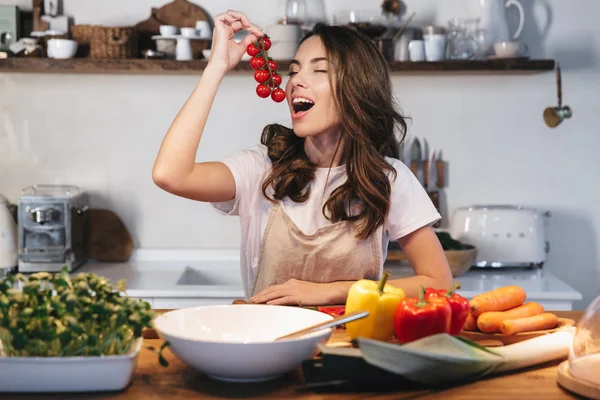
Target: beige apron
x,y
332,253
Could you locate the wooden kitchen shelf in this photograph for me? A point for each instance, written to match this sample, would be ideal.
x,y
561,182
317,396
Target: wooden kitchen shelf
x,y
142,66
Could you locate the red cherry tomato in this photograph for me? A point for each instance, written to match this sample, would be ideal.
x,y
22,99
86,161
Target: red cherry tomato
x,y
263,91
277,79
267,43
252,50
278,95
257,62
261,76
273,65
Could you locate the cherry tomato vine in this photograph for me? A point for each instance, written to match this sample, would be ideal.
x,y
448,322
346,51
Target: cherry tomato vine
x,y
265,68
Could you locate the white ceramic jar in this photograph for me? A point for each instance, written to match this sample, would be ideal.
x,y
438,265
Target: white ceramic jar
x,y
435,43
285,39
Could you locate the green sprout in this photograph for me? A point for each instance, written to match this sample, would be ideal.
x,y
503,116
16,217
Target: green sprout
x,y
54,315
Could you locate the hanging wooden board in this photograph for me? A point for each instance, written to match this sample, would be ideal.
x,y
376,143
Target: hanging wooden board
x,y
182,13
146,29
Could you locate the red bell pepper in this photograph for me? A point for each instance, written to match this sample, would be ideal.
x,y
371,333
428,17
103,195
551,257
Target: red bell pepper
x,y
458,304
416,318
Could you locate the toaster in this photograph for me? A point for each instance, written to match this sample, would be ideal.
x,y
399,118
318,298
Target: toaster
x,y
52,228
505,235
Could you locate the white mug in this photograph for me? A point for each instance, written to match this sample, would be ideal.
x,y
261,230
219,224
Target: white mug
x,y
509,49
416,50
168,30
188,32
203,28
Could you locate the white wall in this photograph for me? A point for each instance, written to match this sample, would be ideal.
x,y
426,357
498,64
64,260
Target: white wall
x,y
102,132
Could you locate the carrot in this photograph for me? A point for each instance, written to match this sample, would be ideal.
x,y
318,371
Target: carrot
x,y
500,299
529,324
470,323
490,321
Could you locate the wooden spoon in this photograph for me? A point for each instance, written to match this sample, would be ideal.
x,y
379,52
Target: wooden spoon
x,y
342,319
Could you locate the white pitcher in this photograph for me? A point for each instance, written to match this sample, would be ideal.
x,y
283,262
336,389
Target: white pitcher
x,y
492,15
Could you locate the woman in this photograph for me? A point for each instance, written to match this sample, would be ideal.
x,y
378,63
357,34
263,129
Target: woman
x,y
318,203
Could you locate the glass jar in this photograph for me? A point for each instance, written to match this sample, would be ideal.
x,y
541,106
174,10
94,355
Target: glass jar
x,y
462,44
584,356
295,12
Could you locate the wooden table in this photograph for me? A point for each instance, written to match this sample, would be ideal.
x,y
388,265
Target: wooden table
x,y
178,381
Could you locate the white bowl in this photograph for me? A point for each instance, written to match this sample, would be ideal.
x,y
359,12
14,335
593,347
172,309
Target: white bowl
x,y
236,342
168,30
62,48
189,32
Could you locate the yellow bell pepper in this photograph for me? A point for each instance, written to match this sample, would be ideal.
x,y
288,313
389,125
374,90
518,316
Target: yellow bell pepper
x,y
381,301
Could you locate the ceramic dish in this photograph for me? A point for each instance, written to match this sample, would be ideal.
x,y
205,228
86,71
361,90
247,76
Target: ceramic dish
x,y
517,337
68,374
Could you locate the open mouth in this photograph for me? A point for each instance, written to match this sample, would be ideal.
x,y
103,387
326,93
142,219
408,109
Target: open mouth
x,y
302,105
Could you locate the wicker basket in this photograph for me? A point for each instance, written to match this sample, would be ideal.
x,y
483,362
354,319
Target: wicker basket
x,y
105,41
460,261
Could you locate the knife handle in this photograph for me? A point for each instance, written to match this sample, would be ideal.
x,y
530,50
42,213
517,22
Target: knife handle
x,y
441,170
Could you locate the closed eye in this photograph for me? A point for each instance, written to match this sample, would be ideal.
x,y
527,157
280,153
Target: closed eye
x,y
318,70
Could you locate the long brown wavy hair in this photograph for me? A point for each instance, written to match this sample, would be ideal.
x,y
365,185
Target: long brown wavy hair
x,y
370,123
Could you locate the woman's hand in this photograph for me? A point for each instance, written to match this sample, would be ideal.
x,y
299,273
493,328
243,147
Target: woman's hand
x,y
225,52
295,292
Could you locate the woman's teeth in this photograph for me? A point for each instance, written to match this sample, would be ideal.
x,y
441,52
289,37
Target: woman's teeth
x,y
301,104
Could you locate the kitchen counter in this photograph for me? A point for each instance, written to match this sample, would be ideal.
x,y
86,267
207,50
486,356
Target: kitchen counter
x,y
185,278
151,381
541,285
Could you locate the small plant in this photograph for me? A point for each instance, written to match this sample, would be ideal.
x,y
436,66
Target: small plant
x,y
54,315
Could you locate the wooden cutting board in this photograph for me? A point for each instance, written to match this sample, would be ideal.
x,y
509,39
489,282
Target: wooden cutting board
x,y
146,29
581,387
563,323
182,13
108,239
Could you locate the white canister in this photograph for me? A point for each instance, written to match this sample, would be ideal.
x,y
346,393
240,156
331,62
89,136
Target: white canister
x,y
285,39
434,38
416,50
183,50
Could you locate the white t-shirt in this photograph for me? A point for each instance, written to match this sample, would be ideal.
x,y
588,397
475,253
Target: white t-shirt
x,y
410,206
